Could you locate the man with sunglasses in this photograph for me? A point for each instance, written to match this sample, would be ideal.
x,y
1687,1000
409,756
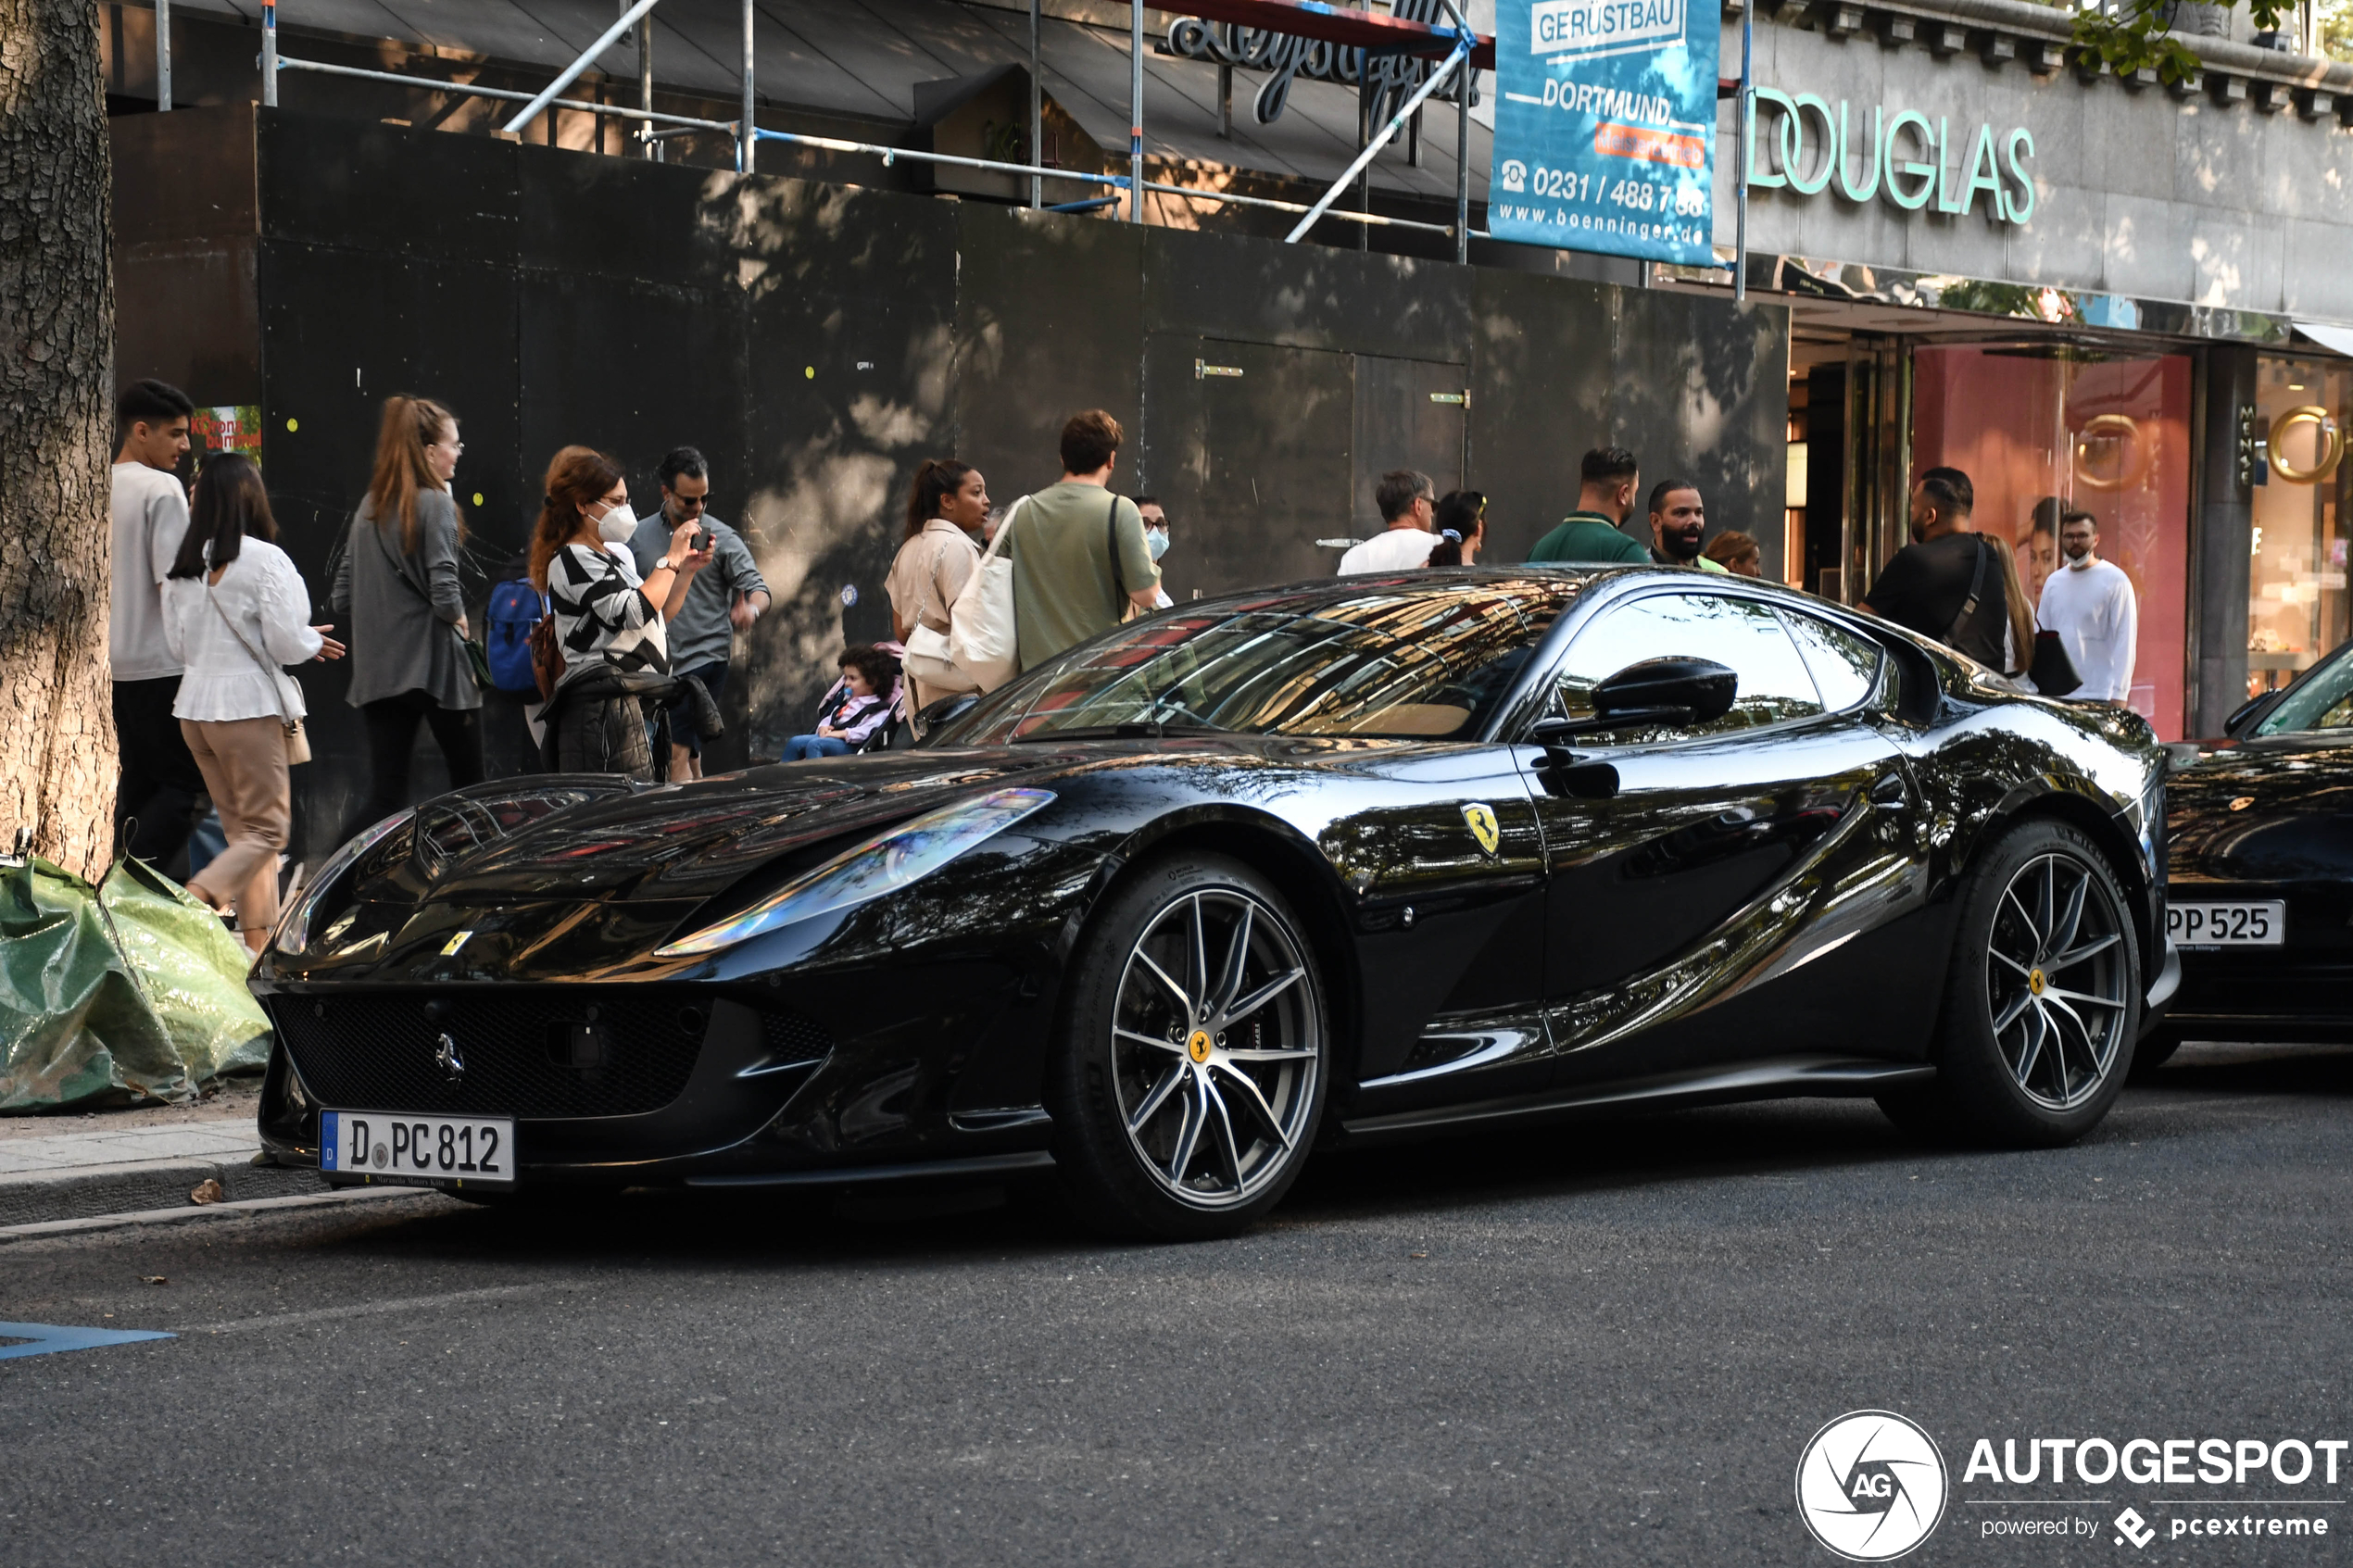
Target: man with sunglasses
x,y
725,598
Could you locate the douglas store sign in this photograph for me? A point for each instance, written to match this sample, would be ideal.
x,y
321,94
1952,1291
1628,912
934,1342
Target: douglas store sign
x,y
1805,145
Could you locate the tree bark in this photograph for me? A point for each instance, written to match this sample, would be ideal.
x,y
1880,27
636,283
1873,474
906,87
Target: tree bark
x,y
58,765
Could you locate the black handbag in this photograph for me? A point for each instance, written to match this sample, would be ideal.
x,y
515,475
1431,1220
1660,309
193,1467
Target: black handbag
x,y
2053,672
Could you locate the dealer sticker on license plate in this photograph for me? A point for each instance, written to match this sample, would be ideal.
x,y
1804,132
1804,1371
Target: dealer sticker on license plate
x,y
2262,923
398,1146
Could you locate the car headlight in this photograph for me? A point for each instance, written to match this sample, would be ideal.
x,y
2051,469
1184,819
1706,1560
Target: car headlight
x,y
293,935
883,864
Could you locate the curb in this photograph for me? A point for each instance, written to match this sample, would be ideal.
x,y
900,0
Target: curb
x,y
223,1210
145,1187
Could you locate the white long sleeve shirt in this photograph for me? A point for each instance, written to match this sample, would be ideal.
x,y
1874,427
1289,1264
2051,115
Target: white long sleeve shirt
x,y
262,593
2093,610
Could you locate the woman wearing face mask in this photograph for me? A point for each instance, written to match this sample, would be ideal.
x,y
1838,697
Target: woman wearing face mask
x,y
1156,540
398,584
947,509
608,622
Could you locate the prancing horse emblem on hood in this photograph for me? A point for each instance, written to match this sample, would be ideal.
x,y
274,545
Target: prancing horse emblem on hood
x,y
452,1062
1481,818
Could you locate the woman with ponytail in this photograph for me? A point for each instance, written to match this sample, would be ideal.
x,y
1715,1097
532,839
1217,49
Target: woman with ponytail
x,y
611,625
947,506
398,582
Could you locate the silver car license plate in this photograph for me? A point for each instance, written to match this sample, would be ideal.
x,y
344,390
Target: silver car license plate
x,y
2260,922
398,1146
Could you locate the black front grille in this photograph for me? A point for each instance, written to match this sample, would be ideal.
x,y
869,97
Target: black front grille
x,y
525,1055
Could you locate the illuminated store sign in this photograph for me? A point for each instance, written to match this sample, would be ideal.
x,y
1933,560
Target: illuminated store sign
x,y
1811,147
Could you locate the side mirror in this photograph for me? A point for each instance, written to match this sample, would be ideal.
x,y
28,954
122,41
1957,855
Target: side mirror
x,y
2243,717
1655,691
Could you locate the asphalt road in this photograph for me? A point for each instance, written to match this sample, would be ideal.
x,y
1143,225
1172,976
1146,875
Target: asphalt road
x,y
1601,1344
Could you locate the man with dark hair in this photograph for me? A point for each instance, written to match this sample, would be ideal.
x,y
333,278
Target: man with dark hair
x,y
1607,480
1946,584
148,516
1407,501
1677,521
1081,562
2089,603
725,598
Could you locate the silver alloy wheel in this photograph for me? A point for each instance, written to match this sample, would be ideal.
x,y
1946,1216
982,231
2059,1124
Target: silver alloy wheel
x,y
1213,1060
2055,985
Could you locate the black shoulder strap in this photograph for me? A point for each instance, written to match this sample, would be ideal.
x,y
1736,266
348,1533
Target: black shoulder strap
x,y
1976,591
1118,579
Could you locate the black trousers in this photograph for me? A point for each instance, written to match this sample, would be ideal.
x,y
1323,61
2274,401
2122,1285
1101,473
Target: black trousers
x,y
392,739
160,785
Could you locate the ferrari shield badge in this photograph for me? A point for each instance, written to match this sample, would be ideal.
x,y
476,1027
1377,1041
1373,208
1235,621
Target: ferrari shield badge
x,y
1481,818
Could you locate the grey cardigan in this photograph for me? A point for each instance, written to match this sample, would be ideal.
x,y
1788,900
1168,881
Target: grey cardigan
x,y
404,608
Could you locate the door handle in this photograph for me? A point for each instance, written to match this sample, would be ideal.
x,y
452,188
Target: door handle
x,y
1889,794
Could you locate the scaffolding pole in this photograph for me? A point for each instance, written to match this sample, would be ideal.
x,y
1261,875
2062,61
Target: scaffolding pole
x,y
1037,110
163,56
1459,60
571,73
269,54
747,128
1135,111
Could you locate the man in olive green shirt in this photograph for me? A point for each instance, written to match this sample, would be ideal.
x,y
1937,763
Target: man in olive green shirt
x,y
1590,535
1080,559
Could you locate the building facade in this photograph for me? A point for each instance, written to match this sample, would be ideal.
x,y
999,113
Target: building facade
x,y
2128,295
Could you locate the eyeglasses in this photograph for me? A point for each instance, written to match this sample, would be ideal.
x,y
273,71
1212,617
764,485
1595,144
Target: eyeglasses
x,y
689,503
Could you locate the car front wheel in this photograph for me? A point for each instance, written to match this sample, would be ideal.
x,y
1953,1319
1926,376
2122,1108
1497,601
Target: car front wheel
x,y
1194,1057
2043,1000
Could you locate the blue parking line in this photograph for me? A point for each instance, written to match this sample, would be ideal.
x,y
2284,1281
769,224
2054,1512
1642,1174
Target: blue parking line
x,y
47,1338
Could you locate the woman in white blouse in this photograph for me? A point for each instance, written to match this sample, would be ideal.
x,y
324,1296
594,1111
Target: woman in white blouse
x,y
236,611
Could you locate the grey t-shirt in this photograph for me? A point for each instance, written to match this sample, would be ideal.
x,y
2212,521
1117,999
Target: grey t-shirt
x,y
701,633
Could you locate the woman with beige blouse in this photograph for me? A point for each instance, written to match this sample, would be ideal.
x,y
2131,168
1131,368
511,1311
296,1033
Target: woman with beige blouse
x,y
946,509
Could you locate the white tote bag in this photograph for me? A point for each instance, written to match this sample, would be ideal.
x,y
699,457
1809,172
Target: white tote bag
x,y
983,641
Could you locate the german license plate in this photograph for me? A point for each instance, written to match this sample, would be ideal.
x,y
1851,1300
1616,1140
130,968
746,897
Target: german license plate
x,y
2260,923
397,1147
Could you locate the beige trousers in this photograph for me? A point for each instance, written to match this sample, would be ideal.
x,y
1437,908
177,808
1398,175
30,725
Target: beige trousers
x,y
244,764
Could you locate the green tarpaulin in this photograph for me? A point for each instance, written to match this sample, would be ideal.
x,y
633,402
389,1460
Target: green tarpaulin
x,y
125,992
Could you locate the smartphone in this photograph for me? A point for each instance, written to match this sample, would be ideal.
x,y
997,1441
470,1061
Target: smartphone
x,y
702,540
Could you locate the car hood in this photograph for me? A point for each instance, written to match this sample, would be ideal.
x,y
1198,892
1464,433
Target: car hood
x,y
503,844
2273,809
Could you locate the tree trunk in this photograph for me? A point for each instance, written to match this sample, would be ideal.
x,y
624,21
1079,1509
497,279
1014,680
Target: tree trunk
x,y
57,426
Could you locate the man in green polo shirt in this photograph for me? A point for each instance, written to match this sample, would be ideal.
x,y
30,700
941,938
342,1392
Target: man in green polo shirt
x,y
1590,535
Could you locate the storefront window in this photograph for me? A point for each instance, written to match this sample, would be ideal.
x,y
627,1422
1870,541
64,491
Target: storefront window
x,y
2295,608
2107,435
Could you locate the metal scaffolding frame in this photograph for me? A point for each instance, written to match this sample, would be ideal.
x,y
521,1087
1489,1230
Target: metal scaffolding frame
x,y
1462,43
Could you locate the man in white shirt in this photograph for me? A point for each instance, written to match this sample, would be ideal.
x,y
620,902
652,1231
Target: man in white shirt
x,y
150,514
2089,603
1407,502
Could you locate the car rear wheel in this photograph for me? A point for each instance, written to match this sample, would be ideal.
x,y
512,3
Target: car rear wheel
x,y
2042,1002
1194,1057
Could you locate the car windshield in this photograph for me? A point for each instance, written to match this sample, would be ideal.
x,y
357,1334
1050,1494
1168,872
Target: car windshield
x,y
1385,663
2323,702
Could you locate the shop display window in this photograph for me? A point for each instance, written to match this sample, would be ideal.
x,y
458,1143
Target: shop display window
x,y
2102,432
2296,608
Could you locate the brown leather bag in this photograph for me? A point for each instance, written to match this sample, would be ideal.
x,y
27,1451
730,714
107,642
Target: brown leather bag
x,y
546,655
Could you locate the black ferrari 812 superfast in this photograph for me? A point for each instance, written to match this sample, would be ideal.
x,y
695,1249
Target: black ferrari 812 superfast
x,y
1357,860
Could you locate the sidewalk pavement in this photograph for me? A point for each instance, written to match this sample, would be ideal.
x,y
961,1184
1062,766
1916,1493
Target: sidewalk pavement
x,y
109,1170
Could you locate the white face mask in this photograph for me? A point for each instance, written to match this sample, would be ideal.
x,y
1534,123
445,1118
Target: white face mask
x,y
1156,540
616,526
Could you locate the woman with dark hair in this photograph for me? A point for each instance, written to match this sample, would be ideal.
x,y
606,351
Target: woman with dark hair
x,y
398,581
610,623
235,612
1460,522
947,509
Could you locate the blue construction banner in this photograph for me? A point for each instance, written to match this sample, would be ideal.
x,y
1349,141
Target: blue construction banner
x,y
1605,127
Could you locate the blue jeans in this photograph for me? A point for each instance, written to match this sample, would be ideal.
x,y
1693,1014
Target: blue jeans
x,y
800,748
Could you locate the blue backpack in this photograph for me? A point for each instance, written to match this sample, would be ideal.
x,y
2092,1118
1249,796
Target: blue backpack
x,y
515,608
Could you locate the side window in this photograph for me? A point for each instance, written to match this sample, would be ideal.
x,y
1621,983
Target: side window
x,y
1846,665
1740,633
